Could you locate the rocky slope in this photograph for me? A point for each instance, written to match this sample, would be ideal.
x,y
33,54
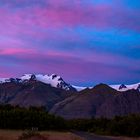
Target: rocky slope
x,y
122,104
100,101
62,99
85,104
31,93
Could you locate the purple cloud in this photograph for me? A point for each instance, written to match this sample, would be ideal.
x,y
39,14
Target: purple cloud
x,y
86,41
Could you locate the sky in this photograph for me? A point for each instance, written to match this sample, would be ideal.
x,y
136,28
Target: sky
x,y
84,41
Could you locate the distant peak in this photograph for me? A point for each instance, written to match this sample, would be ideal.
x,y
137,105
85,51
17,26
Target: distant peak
x,y
122,86
101,85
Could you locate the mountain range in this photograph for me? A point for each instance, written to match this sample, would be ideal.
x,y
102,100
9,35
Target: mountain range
x,y
68,101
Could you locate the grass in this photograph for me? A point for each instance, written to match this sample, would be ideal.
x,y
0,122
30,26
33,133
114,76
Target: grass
x,y
49,135
9,135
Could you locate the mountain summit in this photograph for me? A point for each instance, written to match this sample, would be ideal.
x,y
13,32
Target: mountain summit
x,y
53,80
57,81
61,99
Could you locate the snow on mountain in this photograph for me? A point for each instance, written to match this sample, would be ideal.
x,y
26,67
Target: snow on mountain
x,y
119,87
54,80
123,87
3,80
26,77
79,88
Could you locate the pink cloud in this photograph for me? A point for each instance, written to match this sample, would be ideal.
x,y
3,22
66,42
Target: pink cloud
x,y
72,67
34,21
25,34
15,51
69,66
56,17
61,57
48,17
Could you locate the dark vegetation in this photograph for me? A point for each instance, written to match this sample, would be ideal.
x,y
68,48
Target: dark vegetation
x,y
118,126
33,117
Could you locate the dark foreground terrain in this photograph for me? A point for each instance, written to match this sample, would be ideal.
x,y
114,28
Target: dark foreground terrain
x,y
99,101
44,135
17,118
90,136
53,135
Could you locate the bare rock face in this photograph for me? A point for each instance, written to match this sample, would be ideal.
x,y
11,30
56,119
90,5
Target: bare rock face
x,y
84,105
8,91
138,88
122,86
101,101
122,104
31,93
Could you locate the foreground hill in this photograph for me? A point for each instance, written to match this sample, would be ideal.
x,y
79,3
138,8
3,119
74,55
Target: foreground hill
x,y
100,101
125,103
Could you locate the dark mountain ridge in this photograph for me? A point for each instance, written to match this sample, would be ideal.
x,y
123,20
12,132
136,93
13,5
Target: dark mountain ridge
x,y
99,101
31,93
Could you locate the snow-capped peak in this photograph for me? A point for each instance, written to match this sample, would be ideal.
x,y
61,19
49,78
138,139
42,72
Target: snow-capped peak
x,y
123,87
53,79
26,77
119,87
3,80
56,81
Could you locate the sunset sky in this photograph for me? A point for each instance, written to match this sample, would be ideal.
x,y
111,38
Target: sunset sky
x,y
84,41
